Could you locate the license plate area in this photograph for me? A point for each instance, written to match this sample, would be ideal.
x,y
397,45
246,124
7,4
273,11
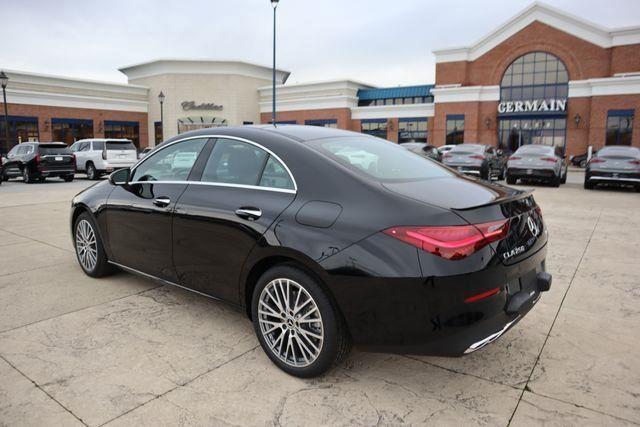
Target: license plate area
x,y
58,158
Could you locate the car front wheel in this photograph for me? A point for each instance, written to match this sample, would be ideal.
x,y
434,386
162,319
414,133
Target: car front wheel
x,y
26,176
92,172
296,323
89,248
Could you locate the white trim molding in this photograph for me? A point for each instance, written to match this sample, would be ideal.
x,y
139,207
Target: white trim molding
x,y
311,96
537,11
62,100
465,94
393,111
201,66
627,85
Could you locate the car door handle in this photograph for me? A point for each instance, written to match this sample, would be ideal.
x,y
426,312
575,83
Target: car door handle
x,y
162,202
250,214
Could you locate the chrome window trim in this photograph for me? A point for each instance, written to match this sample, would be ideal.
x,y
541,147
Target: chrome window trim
x,y
220,184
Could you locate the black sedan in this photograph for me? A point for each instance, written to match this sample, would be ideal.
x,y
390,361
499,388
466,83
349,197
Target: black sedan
x,y
37,161
617,165
324,238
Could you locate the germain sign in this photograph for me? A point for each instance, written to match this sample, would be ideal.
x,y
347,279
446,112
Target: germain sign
x,y
532,106
191,105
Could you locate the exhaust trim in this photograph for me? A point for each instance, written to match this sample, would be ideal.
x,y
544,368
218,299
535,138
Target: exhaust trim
x,y
491,338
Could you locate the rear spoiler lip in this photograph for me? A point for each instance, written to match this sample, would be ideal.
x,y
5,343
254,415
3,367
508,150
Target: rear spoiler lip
x,y
521,194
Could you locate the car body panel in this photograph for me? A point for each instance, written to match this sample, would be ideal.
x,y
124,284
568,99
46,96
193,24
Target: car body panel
x,y
393,296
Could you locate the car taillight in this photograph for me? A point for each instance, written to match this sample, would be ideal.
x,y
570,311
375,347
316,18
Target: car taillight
x,y
104,154
451,242
447,155
549,159
477,156
515,158
634,162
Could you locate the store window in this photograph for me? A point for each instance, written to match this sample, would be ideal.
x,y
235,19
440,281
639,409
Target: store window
x,y
619,127
21,129
126,130
412,130
455,129
71,130
286,122
535,76
157,131
328,123
374,127
515,132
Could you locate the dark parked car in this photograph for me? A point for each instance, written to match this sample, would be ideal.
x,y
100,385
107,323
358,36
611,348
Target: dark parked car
x,y
324,237
475,159
534,162
37,161
423,149
617,165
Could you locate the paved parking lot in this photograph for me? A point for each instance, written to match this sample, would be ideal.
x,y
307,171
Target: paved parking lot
x,y
127,351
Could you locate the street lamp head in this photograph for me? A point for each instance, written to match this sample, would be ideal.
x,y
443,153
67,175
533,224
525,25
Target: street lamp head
x,y
3,79
161,97
274,3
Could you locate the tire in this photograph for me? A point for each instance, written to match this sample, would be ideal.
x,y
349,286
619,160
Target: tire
x,y
511,180
485,173
68,178
555,181
101,266
92,172
26,176
564,178
588,185
502,175
335,343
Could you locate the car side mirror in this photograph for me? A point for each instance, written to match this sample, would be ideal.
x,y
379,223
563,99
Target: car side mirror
x,y
120,177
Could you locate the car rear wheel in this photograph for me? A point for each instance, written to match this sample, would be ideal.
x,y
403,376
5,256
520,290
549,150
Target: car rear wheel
x,y
92,172
555,181
89,248
68,178
511,180
297,325
564,178
587,184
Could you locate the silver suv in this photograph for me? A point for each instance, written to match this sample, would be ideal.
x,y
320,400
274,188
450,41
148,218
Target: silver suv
x,y
96,156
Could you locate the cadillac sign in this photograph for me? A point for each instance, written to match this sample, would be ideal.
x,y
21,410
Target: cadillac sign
x,y
532,106
191,105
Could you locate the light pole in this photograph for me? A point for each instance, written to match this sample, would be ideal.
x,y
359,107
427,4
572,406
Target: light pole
x,y
274,5
3,81
161,99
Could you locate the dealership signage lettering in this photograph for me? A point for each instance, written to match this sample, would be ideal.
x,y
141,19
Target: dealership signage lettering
x,y
191,105
532,106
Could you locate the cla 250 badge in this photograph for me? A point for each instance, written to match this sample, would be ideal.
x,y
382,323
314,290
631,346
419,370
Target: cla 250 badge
x,y
513,252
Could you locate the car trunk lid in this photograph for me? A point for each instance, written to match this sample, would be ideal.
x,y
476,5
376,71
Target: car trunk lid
x,y
120,151
479,202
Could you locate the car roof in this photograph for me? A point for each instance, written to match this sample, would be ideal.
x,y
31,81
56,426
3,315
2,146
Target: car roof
x,y
103,139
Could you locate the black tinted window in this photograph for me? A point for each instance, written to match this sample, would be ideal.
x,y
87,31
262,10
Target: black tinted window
x,y
235,162
98,145
46,150
275,175
120,145
172,163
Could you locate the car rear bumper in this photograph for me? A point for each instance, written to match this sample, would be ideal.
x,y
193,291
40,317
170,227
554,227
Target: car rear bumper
x,y
55,172
531,172
431,315
622,177
467,169
113,166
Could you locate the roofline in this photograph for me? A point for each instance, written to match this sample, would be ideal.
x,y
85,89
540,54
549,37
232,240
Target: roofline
x,y
603,37
321,82
126,68
74,79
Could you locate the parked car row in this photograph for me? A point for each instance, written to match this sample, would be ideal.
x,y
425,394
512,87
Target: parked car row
x,y
37,161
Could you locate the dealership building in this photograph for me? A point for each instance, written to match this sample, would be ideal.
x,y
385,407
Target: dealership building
x,y
543,77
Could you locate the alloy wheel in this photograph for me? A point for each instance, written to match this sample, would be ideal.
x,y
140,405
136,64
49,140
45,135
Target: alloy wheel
x,y
290,322
86,245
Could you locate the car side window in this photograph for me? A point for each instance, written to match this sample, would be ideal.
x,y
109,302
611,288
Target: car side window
x,y
172,163
234,162
275,175
98,145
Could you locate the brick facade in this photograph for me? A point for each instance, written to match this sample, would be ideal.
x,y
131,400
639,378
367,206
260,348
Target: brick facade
x,y
342,115
583,61
46,113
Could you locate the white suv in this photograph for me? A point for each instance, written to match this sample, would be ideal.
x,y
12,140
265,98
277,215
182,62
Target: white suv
x,y
99,156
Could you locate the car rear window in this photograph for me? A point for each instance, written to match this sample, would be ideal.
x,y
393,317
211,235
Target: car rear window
x,y
120,145
379,159
467,149
47,150
535,149
618,153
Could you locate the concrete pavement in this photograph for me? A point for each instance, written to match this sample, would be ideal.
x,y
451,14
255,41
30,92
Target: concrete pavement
x,y
128,351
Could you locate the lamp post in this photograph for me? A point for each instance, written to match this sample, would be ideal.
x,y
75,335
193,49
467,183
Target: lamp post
x,y
274,5
161,99
4,80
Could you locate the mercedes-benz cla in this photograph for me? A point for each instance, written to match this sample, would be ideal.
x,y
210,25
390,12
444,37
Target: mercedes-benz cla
x,y
325,238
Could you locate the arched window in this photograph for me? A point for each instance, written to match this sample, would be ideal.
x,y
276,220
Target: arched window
x,y
536,75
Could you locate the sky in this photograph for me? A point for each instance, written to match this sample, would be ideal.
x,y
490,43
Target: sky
x,y
384,43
